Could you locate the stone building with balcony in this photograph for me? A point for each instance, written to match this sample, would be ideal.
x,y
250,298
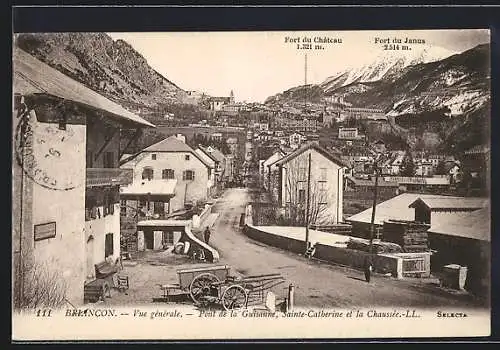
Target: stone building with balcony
x,y
163,163
65,180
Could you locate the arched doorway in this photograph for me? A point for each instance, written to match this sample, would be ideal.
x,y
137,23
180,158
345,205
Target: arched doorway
x,y
89,255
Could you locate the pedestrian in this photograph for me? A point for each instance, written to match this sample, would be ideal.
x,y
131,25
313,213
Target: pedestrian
x,y
206,235
368,268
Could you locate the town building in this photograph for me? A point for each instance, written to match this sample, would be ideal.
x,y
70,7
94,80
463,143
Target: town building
x,y
418,183
459,230
232,144
66,180
173,159
326,184
267,167
423,167
296,139
217,103
475,164
365,113
348,133
220,165
384,188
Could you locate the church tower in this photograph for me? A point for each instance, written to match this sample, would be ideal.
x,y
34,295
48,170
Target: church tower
x,y
231,97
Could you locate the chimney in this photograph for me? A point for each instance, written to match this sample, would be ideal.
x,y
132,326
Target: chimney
x,y
181,137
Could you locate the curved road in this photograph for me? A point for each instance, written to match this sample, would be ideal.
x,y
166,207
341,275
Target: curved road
x,y
317,284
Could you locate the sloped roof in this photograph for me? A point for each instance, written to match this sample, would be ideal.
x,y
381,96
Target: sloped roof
x,y
208,154
474,224
451,203
478,149
219,99
470,224
170,144
218,155
396,208
335,159
277,155
33,77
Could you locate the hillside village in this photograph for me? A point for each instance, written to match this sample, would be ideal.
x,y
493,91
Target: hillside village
x,y
159,166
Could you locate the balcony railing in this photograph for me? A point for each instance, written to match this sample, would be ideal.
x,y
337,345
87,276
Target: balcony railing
x,y
108,177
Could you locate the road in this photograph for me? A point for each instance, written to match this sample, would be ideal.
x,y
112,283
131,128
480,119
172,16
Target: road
x,y
317,284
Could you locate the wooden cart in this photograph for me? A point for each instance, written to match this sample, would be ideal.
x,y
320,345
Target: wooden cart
x,y
213,284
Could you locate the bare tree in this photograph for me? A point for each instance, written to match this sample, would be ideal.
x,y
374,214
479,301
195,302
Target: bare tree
x,y
296,192
37,285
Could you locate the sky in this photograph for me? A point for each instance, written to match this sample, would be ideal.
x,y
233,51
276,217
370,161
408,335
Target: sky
x,y
256,65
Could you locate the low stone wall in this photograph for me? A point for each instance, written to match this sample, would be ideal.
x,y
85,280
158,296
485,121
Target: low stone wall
x,y
211,254
382,263
199,219
286,243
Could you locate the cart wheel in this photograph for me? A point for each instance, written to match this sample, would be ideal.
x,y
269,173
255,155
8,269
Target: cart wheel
x,y
235,297
201,286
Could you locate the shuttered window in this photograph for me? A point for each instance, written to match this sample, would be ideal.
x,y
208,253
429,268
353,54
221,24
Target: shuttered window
x,y
108,245
188,175
168,174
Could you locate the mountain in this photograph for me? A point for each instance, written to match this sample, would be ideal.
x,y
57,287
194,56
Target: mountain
x,y
113,68
446,101
385,65
458,85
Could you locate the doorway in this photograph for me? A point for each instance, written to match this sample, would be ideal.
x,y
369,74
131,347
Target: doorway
x,y
149,239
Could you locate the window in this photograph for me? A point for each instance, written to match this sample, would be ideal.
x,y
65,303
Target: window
x,y
62,121
109,160
302,174
188,175
153,156
147,173
168,174
186,157
108,245
322,193
123,207
302,196
322,174
168,238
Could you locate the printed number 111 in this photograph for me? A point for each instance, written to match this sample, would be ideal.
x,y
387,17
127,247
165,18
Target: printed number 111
x,y
43,313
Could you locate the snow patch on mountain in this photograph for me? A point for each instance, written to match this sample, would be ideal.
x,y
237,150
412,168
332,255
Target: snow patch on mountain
x,y
465,101
386,65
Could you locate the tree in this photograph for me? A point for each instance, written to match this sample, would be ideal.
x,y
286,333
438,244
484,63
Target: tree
x,y
407,166
296,194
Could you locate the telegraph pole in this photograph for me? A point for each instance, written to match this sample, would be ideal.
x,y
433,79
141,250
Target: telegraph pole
x,y
308,200
374,205
305,82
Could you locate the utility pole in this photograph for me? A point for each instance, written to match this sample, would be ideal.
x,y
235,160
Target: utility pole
x,y
305,82
374,205
308,200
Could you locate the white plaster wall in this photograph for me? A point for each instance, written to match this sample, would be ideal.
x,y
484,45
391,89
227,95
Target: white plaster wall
x,y
98,228
157,239
196,190
65,253
334,184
